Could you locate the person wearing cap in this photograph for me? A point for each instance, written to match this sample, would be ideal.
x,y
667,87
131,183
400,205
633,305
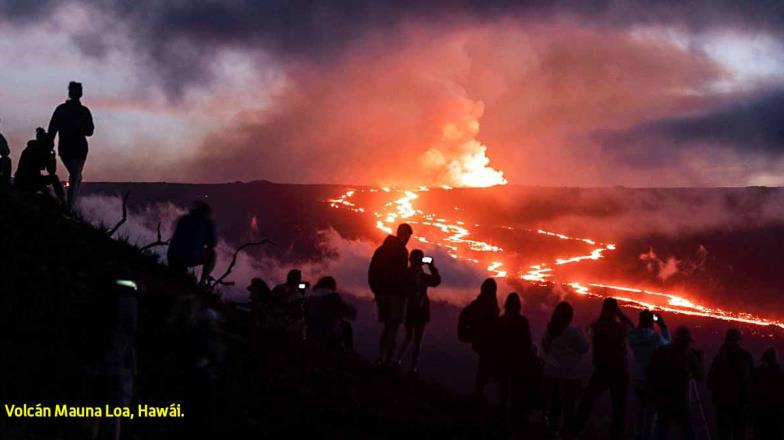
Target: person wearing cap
x,y
729,380
73,122
672,369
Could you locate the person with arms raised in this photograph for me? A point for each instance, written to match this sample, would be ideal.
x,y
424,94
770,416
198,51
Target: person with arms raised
x,y
418,304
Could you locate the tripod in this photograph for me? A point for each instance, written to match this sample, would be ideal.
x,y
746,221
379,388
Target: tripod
x,y
694,396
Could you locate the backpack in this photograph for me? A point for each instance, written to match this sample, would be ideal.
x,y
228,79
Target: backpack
x,y
469,323
377,272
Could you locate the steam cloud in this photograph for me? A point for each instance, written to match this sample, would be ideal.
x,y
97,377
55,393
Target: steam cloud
x,y
348,259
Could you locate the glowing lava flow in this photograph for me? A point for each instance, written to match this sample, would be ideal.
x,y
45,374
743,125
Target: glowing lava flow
x,y
454,237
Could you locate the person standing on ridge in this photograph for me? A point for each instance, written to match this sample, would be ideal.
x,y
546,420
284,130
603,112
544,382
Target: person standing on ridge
x,y
644,340
564,346
611,368
5,162
729,380
671,374
387,281
418,307
478,326
74,123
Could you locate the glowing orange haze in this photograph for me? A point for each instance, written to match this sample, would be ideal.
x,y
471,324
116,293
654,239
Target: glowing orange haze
x,y
452,105
455,236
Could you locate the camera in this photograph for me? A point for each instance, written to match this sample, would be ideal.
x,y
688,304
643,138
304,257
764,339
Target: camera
x,y
655,317
302,286
427,260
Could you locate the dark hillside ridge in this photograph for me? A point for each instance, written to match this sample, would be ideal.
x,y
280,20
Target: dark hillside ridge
x,y
50,264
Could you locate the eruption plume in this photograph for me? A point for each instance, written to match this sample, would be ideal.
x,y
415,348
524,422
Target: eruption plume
x,y
459,159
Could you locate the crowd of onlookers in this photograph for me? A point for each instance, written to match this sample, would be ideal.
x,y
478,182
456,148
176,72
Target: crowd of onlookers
x,y
545,382
534,380
539,384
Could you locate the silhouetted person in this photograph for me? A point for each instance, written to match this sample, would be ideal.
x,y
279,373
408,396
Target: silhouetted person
x,y
193,242
644,340
289,299
766,394
477,325
417,304
670,374
74,123
564,346
515,357
387,280
729,380
611,369
327,317
37,157
260,304
5,162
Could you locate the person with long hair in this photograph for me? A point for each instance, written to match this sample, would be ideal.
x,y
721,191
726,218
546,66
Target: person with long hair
x,y
564,346
611,368
515,354
417,305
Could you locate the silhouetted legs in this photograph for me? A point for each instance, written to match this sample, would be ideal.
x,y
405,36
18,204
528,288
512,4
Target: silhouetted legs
x,y
645,411
614,379
731,423
391,312
74,167
484,373
562,396
678,413
388,341
414,333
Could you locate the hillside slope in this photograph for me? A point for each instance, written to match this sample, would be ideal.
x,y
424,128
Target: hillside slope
x,y
49,325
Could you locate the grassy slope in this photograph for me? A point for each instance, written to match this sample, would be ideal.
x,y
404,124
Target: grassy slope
x,y
48,306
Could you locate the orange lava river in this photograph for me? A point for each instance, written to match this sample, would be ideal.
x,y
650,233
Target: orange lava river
x,y
456,238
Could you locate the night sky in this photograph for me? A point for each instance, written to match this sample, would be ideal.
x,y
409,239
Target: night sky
x,y
403,92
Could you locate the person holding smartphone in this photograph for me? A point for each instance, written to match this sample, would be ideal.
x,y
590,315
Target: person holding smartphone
x,y
644,340
418,304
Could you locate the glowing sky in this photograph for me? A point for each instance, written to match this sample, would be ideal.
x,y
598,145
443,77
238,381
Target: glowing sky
x,y
404,92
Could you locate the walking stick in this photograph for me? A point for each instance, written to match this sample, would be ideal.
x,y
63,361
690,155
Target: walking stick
x,y
696,393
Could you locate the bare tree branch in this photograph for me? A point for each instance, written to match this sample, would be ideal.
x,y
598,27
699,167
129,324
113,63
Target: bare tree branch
x,y
124,214
158,242
220,280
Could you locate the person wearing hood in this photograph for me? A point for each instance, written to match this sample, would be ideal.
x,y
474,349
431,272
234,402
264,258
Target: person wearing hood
x,y
644,340
670,374
478,325
327,317
729,380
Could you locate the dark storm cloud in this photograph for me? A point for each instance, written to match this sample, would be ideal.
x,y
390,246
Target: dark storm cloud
x,y
178,36
751,126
